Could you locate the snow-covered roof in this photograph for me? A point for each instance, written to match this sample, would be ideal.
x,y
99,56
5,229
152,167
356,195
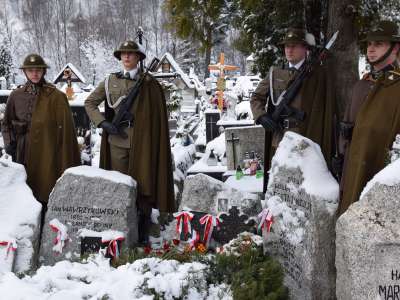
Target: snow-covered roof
x,y
185,78
74,70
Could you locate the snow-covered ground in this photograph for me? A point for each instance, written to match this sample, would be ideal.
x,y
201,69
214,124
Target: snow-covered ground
x,y
96,279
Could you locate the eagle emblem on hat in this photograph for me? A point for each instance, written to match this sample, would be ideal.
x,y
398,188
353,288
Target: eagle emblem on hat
x,y
290,34
32,59
126,44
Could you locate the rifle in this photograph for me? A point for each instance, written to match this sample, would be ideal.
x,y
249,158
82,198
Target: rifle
x,y
124,115
283,109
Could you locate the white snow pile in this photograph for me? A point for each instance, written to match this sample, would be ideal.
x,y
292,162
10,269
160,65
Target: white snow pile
x,y
389,176
19,217
245,85
89,171
96,279
217,145
289,219
243,110
296,151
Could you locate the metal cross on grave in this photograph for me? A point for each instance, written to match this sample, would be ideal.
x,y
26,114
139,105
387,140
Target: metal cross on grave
x,y
232,140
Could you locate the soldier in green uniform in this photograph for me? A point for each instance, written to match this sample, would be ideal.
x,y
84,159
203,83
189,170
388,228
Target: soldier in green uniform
x,y
315,99
145,154
38,129
372,117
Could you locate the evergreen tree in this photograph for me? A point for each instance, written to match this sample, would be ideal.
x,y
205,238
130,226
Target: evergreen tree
x,y
204,22
5,61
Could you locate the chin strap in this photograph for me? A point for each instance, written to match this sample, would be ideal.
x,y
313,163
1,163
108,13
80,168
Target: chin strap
x,y
384,57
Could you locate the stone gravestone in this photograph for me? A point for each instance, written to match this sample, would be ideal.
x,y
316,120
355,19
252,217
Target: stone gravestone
x,y
303,197
83,199
240,140
237,210
368,241
212,130
203,193
19,220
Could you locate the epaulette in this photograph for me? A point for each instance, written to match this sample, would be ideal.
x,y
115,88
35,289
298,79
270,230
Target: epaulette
x,y
49,85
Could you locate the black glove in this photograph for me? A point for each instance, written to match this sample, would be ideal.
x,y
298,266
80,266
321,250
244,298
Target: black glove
x,y
337,165
109,127
11,149
268,123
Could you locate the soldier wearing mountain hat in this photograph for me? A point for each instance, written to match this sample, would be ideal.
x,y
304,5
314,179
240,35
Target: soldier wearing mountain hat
x,y
38,129
372,117
145,154
315,99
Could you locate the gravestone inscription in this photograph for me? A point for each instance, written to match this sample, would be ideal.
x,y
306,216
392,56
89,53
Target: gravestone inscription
x,y
368,241
92,199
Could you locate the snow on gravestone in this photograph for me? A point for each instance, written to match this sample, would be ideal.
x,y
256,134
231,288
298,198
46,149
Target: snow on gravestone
x,y
368,241
303,197
19,220
87,198
203,193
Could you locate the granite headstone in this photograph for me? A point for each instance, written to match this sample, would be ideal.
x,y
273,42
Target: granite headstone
x,y
87,198
203,193
368,241
240,140
302,196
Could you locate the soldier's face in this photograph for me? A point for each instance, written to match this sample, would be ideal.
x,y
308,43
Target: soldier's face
x,y
377,49
34,74
295,52
129,60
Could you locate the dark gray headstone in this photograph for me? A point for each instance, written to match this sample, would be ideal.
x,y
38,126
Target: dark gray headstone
x,y
89,198
205,194
302,196
368,241
212,130
240,140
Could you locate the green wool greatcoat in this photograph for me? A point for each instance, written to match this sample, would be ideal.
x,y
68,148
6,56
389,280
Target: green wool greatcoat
x,y
150,162
316,99
51,138
376,125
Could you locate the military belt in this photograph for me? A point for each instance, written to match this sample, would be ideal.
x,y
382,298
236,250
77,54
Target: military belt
x,y
289,123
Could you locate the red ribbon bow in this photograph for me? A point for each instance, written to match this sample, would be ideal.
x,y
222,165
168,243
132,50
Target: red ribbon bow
x,y
209,222
60,240
113,248
11,246
183,223
266,220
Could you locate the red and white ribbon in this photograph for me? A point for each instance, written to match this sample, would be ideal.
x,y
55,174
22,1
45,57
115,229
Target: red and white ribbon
x,y
266,220
183,223
113,247
61,238
11,246
209,221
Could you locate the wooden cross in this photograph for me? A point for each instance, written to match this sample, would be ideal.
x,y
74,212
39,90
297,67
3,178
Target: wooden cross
x,y
233,139
221,67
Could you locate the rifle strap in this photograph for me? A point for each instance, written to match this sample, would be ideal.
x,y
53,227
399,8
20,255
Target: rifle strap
x,y
115,105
